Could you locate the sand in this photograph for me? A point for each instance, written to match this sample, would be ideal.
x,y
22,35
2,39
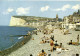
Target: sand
x,y
34,47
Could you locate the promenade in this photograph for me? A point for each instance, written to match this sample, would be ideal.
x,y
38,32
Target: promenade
x,y
34,47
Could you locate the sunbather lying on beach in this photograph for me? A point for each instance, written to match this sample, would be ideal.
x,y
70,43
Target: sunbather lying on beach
x,y
47,40
49,54
74,43
43,38
32,38
59,48
56,44
22,43
42,42
29,33
43,53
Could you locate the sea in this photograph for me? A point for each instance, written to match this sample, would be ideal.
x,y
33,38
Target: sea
x,y
8,38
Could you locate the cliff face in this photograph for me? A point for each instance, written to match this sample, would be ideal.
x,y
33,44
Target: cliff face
x,y
17,21
29,20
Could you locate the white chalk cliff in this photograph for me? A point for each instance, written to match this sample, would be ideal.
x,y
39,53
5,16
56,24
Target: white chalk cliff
x,y
17,21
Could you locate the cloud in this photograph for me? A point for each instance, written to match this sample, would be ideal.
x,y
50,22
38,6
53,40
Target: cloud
x,y
76,7
45,8
22,11
9,10
64,8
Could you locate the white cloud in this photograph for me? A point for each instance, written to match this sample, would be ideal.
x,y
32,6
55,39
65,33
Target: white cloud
x,y
22,11
65,7
45,8
76,7
9,10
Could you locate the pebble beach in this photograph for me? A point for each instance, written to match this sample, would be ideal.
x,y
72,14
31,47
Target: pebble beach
x,y
34,47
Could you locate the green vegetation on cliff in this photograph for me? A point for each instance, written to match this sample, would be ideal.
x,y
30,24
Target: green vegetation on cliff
x,y
36,19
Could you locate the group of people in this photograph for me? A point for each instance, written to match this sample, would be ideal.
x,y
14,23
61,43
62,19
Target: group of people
x,y
54,45
42,53
44,40
74,43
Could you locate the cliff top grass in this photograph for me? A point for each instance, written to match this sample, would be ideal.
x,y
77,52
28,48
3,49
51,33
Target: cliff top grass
x,y
31,17
35,19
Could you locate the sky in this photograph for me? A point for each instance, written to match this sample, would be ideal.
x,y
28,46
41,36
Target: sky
x,y
39,8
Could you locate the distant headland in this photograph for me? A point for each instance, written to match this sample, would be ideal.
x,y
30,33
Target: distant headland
x,y
32,21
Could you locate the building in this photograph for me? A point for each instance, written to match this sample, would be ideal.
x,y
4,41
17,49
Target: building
x,y
77,26
56,17
78,12
69,22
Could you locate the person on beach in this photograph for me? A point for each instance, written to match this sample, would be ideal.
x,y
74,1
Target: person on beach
x,y
49,54
70,43
51,44
58,47
42,41
43,38
56,44
25,37
22,43
36,33
46,40
29,33
74,43
52,37
32,38
43,53
61,45
78,39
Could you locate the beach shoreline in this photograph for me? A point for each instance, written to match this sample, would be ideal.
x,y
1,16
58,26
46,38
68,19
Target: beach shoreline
x,y
16,46
34,47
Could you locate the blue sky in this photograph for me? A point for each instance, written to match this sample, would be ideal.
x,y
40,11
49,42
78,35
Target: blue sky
x,y
49,9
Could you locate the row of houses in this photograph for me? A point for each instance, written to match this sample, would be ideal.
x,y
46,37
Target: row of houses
x,y
72,21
